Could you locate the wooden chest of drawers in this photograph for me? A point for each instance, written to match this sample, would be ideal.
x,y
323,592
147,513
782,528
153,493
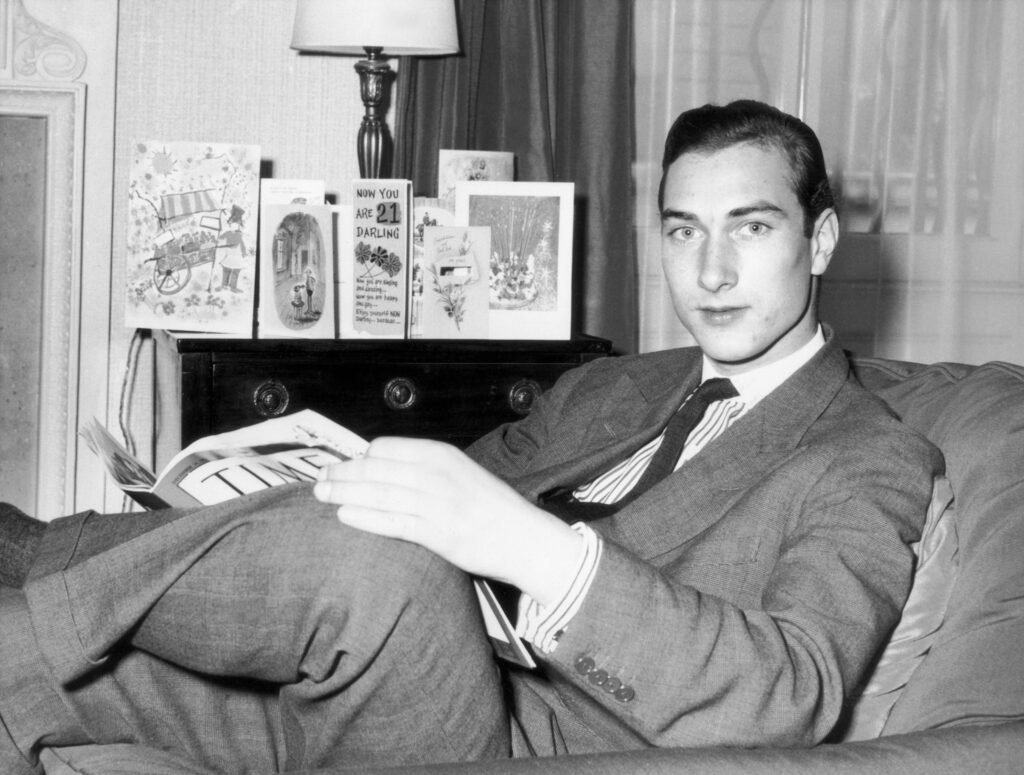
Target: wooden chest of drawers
x,y
453,391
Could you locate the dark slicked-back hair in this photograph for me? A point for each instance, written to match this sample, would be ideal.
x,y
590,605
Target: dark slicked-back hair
x,y
715,127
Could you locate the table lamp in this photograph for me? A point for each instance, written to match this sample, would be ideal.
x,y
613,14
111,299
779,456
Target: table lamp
x,y
378,28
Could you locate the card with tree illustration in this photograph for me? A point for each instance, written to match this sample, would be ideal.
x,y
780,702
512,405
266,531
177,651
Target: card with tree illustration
x,y
297,271
530,266
455,289
191,236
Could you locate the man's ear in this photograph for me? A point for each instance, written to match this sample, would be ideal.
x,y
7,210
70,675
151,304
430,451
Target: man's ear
x,y
824,239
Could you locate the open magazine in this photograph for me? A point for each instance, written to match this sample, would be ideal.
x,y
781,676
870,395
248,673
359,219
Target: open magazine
x,y
282,450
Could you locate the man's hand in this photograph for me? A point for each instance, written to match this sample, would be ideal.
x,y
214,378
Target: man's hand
x,y
433,495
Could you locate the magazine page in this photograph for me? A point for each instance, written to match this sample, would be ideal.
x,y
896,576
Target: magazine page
x,y
214,468
305,427
504,640
284,449
213,476
128,472
123,467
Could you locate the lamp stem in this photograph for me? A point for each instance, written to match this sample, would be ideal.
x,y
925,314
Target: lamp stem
x,y
373,75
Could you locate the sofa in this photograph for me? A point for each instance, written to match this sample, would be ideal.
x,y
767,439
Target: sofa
x,y
947,692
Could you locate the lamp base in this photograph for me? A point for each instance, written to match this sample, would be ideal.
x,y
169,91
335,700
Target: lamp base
x,y
374,75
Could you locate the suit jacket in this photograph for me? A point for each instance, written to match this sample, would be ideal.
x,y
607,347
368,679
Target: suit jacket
x,y
741,598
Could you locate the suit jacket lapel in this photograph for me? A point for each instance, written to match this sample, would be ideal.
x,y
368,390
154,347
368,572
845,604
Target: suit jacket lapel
x,y
617,423
696,496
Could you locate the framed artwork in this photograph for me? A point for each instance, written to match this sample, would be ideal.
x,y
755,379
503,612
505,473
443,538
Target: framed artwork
x,y
191,242
297,287
530,266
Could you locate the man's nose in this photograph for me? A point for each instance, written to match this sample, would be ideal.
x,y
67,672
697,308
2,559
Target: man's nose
x,y
718,265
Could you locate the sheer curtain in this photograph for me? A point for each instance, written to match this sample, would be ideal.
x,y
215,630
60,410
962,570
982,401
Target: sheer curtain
x,y
918,106
551,82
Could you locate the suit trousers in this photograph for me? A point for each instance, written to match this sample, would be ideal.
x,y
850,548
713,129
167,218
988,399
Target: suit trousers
x,y
257,635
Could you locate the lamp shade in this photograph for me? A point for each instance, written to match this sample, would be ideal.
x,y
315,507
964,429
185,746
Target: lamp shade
x,y
398,27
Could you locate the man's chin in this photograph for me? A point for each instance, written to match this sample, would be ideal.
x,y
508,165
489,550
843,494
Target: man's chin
x,y
732,355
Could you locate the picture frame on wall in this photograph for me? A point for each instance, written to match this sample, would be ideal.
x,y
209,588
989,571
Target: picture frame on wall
x,y
531,263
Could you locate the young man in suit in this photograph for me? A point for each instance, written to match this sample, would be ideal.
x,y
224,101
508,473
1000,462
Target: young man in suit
x,y
734,598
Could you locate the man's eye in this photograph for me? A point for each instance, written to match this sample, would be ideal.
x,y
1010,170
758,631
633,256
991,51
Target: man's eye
x,y
683,233
755,229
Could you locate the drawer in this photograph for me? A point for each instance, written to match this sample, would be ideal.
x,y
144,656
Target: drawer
x,y
456,402
449,390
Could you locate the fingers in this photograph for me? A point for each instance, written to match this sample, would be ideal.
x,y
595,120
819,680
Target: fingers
x,y
384,523
411,450
431,494
396,477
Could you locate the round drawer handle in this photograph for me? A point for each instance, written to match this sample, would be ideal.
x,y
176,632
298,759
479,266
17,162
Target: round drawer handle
x,y
400,393
523,395
270,399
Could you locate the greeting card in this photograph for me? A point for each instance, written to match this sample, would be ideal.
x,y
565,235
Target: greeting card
x,y
297,290
455,288
382,239
191,236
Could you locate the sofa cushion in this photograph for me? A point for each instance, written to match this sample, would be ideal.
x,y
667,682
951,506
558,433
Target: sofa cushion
x,y
974,672
923,614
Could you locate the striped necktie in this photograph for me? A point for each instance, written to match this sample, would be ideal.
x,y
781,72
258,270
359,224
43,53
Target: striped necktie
x,y
678,431
563,504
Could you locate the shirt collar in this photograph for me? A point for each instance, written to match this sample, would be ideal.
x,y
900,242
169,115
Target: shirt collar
x,y
755,384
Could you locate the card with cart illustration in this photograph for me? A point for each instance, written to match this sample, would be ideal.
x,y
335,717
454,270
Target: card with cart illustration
x,y
297,289
426,211
455,288
530,272
454,166
382,239
191,236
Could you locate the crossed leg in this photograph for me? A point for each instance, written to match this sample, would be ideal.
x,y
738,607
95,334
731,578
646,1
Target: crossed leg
x,y
259,634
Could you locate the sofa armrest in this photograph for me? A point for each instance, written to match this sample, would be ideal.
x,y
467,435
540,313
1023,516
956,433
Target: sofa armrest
x,y
993,749
996,749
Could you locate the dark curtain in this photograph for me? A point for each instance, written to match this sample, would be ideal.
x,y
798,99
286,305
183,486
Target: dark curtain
x,y
551,81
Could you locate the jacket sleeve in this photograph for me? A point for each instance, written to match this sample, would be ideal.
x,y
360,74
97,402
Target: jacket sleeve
x,y
657,649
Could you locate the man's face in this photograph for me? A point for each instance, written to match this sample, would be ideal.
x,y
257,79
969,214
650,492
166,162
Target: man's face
x,y
735,256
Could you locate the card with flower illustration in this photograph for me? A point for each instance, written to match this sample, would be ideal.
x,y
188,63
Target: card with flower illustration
x,y
454,166
382,248
530,267
455,275
426,212
191,237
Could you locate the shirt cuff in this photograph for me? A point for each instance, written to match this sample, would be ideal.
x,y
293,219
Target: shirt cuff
x,y
542,626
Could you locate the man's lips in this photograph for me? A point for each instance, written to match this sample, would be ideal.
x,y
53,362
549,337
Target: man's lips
x,y
720,315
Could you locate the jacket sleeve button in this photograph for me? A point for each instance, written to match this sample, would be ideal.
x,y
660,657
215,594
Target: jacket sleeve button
x,y
598,677
625,694
584,665
612,685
